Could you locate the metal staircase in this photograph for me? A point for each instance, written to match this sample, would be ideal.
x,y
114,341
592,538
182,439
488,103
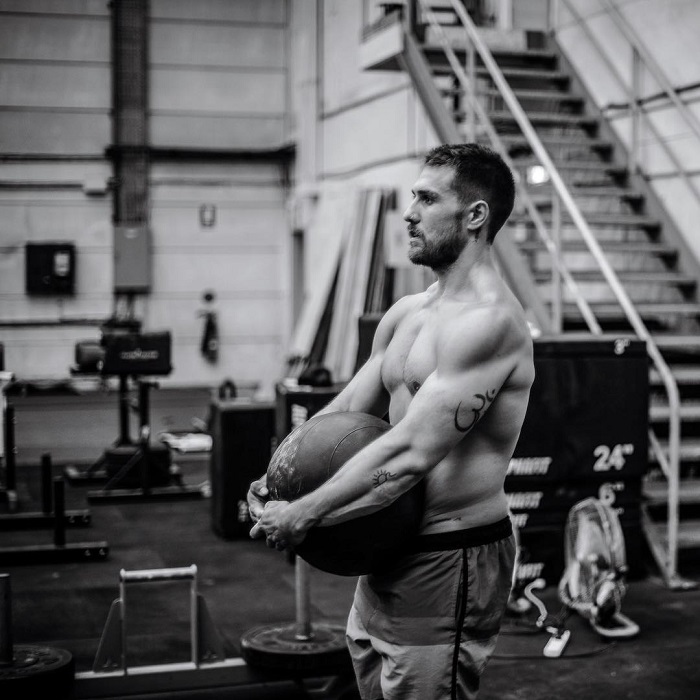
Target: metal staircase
x,y
597,253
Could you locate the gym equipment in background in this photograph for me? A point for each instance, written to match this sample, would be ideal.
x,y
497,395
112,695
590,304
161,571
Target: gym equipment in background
x,y
131,469
304,647
128,354
307,458
58,551
593,583
30,670
46,517
142,471
206,644
243,439
8,486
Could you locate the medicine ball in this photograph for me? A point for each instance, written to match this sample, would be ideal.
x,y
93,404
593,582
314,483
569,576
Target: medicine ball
x,y
310,455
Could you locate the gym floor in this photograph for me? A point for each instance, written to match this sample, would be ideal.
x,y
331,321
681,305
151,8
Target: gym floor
x,y
65,605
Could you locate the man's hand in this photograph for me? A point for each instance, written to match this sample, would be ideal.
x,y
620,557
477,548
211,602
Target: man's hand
x,y
257,497
279,525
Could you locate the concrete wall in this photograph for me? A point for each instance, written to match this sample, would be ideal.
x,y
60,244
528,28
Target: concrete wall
x,y
668,30
219,82
54,127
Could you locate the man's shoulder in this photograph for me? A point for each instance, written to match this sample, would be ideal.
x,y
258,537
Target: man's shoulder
x,y
495,325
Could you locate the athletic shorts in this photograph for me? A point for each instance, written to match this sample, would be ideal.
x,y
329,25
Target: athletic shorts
x,y
425,628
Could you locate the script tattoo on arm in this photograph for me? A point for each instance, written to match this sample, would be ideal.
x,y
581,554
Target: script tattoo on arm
x,y
483,401
381,477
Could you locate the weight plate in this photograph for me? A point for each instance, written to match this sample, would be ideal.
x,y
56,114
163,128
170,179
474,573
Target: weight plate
x,y
278,647
46,670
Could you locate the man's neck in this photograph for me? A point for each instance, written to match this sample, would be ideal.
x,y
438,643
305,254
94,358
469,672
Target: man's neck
x,y
466,273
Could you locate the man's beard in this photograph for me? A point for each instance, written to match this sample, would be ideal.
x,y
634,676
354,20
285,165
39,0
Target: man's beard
x,y
439,254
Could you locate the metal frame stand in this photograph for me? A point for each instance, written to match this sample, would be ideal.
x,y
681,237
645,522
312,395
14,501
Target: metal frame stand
x,y
16,519
59,551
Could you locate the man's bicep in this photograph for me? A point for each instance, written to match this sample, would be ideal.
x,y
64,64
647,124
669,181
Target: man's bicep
x,y
451,403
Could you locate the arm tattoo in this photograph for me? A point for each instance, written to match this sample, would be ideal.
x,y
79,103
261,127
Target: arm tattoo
x,y
381,477
483,400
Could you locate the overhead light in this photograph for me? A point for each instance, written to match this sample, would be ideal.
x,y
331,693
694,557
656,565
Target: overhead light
x,y
537,175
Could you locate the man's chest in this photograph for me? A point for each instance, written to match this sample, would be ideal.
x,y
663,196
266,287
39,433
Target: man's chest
x,y
410,356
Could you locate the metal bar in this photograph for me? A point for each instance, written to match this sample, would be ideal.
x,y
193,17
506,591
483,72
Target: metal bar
x,y
149,575
59,516
471,73
46,491
10,450
6,644
302,595
557,320
194,621
635,149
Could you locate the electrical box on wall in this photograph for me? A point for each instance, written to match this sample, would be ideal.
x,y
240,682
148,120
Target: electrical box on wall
x,y
49,268
132,259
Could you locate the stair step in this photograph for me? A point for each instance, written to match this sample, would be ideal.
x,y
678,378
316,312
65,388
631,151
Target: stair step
x,y
576,165
630,276
543,197
510,74
597,219
682,375
688,533
668,341
545,95
628,247
547,118
689,450
507,58
689,410
551,141
657,309
656,492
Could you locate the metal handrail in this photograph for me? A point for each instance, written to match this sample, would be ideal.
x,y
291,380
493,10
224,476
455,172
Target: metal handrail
x,y
652,65
672,464
633,99
532,210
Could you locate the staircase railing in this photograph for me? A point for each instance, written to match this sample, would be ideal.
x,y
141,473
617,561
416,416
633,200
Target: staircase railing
x,y
666,558
640,55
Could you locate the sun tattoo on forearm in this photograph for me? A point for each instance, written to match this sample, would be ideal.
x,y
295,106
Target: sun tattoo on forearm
x,y
381,477
483,400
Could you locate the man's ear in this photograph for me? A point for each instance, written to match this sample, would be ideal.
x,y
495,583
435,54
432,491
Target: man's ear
x,y
477,214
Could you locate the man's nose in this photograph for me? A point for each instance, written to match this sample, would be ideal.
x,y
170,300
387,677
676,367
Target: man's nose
x,y
410,215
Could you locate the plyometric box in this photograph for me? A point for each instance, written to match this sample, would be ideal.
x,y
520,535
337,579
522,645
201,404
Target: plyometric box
x,y
243,440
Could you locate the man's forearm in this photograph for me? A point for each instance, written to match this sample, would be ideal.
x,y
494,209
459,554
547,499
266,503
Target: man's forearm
x,y
368,482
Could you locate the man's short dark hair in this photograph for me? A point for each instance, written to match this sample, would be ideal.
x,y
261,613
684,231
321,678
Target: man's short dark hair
x,y
480,173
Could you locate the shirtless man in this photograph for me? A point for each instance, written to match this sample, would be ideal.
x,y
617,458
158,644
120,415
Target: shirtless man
x,y
452,367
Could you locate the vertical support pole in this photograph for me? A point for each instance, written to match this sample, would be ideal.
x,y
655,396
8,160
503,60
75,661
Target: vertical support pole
x,y
471,73
124,437
144,434
553,16
635,150
59,525
194,619
10,459
302,590
557,322
46,487
122,616
6,644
